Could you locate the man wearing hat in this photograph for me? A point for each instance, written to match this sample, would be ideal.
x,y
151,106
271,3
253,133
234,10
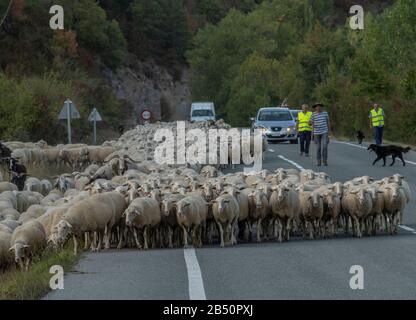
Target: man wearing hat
x,y
320,125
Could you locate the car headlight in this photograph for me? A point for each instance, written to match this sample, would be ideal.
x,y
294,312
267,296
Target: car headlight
x,y
263,130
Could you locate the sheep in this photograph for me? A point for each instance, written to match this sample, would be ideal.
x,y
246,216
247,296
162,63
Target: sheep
x,y
97,214
226,212
169,220
209,172
243,205
51,156
10,214
399,179
191,214
97,155
46,187
143,213
394,205
258,209
357,204
51,198
33,184
7,186
332,209
11,224
285,207
32,212
27,241
6,258
311,211
74,156
51,218
64,182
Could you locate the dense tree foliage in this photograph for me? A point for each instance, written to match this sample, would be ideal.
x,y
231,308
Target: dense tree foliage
x,y
305,51
244,54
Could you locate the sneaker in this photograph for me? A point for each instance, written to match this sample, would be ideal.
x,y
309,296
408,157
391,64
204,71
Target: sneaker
x,y
307,155
326,164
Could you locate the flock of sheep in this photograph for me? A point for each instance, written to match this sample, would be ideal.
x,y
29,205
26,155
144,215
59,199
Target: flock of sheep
x,y
124,199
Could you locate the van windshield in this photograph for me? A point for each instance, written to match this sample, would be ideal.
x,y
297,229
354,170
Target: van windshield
x,y
275,115
202,113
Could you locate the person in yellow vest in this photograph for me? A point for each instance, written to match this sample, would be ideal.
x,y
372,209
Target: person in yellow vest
x,y
377,123
304,129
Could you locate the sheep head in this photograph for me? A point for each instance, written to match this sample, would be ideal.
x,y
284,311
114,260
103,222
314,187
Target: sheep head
x,y
20,251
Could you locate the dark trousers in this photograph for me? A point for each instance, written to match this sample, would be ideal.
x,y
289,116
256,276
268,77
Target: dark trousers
x,y
378,135
321,141
305,141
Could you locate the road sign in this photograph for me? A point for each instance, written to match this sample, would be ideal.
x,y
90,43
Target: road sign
x,y
63,115
146,115
68,112
95,116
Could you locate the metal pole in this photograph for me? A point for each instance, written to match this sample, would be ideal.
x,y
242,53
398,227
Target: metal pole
x,y
95,132
68,114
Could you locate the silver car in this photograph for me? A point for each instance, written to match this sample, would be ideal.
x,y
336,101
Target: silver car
x,y
276,124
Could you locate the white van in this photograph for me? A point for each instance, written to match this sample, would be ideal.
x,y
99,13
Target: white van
x,y
202,111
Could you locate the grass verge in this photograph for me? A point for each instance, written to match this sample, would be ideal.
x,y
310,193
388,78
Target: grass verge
x,y
34,284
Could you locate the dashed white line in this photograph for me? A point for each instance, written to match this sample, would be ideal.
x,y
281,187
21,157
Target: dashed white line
x,y
361,147
298,166
196,284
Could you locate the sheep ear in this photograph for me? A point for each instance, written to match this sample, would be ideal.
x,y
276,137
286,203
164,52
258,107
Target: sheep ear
x,y
26,246
11,249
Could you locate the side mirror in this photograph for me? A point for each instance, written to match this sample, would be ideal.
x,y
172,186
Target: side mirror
x,y
252,119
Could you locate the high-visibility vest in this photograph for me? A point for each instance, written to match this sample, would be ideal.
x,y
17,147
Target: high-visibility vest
x,y
377,117
303,120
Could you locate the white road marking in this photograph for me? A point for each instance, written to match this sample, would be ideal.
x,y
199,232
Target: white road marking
x,y
298,166
196,284
271,150
408,229
361,147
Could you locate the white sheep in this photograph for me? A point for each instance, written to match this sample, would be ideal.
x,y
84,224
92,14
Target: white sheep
x,y
143,214
27,241
285,208
226,212
191,214
357,204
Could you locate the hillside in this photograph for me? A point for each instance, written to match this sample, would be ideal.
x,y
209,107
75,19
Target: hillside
x,y
126,56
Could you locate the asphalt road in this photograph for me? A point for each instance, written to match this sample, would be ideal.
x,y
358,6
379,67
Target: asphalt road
x,y
299,269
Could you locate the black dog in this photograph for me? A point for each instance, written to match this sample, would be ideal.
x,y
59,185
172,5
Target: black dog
x,y
360,136
384,151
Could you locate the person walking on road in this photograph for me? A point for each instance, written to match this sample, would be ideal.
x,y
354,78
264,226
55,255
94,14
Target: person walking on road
x,y
320,125
304,129
377,122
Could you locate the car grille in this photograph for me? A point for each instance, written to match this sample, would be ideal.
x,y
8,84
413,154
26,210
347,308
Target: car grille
x,y
276,129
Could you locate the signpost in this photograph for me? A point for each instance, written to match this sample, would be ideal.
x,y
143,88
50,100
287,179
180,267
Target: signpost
x,y
95,117
146,115
68,112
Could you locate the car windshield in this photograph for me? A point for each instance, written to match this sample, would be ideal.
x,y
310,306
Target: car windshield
x,y
202,113
275,115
